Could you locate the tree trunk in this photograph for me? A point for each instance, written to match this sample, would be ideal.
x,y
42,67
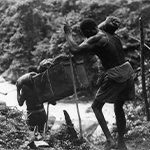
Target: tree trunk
x,y
143,70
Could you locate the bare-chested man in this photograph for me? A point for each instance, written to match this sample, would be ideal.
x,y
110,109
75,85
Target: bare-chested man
x,y
36,114
118,84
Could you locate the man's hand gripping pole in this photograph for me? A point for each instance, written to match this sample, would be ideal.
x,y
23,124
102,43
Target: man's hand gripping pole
x,y
67,31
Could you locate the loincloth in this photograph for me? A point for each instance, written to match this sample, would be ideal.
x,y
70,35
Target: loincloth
x,y
121,73
117,84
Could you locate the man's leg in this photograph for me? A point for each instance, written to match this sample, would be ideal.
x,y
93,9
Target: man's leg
x,y
121,124
100,117
42,118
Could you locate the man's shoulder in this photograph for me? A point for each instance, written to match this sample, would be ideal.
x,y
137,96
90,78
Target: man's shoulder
x,y
99,37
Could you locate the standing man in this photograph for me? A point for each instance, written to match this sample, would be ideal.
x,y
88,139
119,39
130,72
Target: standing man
x,y
118,84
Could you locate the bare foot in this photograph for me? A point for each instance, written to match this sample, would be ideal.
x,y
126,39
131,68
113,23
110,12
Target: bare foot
x,y
121,146
110,145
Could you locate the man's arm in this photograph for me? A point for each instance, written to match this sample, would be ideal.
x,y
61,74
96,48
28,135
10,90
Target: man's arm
x,y
68,35
19,94
85,47
18,90
22,98
88,45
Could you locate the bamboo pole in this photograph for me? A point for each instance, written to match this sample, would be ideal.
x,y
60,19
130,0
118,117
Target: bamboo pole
x,y
74,86
47,116
75,93
46,124
143,69
134,38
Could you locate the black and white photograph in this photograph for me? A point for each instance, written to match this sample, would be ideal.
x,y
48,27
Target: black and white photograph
x,y
75,74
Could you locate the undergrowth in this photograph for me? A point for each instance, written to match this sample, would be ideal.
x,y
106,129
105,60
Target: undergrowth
x,y
14,131
60,139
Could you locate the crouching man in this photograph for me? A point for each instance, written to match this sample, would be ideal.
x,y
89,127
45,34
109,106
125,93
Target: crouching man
x,y
36,114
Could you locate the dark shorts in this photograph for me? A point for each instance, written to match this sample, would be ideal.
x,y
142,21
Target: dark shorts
x,y
37,119
110,91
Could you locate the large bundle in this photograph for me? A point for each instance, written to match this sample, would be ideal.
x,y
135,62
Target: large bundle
x,y
56,82
110,25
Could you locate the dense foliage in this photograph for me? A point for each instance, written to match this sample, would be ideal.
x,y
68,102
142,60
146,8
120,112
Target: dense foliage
x,y
31,30
13,128
14,132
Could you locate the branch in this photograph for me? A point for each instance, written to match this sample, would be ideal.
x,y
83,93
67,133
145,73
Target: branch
x,y
134,38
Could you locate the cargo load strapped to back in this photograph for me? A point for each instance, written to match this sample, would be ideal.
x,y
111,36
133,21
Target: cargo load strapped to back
x,y
56,82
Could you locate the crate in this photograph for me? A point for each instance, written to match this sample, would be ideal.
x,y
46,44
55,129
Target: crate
x,y
56,82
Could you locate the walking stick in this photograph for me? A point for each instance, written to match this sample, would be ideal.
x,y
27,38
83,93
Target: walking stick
x,y
75,93
46,124
5,93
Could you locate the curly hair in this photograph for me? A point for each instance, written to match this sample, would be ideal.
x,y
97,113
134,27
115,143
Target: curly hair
x,y
87,24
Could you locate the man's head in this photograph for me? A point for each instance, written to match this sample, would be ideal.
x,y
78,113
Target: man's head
x,y
110,25
88,27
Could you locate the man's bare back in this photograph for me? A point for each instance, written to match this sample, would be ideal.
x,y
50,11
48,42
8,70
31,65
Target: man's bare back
x,y
111,54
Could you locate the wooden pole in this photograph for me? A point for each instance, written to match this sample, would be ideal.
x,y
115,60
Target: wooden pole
x,y
75,93
46,124
134,38
143,69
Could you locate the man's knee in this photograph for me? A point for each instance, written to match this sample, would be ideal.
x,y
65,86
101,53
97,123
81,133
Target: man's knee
x,y
118,105
97,105
119,112
93,106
